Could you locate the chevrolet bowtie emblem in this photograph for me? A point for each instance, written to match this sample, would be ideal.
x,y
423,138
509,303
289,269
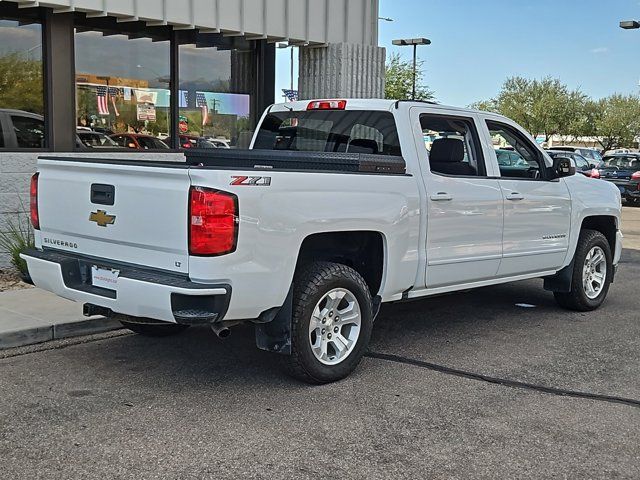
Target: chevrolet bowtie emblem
x,y
102,218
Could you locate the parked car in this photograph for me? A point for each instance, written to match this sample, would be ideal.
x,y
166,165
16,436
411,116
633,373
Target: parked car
x,y
138,141
190,141
106,131
219,142
326,218
19,129
582,164
510,158
623,170
593,156
95,140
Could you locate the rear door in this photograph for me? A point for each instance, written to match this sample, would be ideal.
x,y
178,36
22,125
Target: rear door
x,y
464,204
537,210
129,213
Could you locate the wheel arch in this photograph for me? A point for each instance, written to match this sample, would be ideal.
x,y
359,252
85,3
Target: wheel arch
x,y
607,225
364,251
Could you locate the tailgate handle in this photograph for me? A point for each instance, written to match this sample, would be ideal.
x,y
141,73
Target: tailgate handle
x,y
103,194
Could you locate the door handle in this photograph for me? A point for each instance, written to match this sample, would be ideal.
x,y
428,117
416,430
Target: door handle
x,y
513,196
441,197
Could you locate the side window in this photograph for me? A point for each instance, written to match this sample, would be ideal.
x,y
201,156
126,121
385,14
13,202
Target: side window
x,y
1,133
528,163
29,131
453,146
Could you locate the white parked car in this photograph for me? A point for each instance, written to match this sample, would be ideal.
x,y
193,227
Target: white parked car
x,y
338,207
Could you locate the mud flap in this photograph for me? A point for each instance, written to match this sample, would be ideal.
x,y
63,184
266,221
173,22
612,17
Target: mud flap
x,y
273,332
561,281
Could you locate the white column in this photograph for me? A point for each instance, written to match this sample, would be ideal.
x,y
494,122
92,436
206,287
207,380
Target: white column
x,y
342,70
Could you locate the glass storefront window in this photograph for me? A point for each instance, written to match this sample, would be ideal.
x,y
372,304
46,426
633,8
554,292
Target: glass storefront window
x,y
215,101
122,87
21,85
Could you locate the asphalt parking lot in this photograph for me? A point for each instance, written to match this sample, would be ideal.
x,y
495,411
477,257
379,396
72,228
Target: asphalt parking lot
x,y
193,406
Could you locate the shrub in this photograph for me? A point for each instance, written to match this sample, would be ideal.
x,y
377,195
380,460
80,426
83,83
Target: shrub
x,y
16,240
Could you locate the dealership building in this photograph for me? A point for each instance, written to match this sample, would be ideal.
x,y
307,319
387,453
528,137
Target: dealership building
x,y
85,76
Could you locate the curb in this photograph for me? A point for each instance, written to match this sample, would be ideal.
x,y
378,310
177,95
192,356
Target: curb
x,y
33,335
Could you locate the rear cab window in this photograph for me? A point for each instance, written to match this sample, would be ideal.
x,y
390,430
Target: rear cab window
x,y
453,145
336,131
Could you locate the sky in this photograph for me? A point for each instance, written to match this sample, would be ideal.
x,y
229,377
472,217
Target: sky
x,y
477,44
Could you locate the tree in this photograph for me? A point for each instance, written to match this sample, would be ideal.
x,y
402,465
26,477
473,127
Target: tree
x,y
21,84
543,107
399,84
617,121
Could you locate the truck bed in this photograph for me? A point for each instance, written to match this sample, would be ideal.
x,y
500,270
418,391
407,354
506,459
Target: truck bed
x,y
268,160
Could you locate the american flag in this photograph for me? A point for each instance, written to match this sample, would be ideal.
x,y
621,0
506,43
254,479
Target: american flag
x,y
201,102
183,99
290,95
103,101
113,93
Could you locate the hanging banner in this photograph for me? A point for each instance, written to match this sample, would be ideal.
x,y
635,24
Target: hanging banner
x,y
146,96
146,111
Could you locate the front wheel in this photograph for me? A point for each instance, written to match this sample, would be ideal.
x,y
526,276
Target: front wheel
x,y
592,273
331,324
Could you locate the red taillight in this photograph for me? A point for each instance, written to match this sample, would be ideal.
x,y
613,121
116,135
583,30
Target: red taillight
x,y
635,176
33,202
595,173
327,105
213,222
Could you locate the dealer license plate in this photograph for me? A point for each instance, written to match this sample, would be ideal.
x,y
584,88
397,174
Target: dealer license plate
x,y
104,277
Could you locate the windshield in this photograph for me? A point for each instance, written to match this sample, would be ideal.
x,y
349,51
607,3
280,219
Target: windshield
x,y
330,131
150,143
620,162
96,140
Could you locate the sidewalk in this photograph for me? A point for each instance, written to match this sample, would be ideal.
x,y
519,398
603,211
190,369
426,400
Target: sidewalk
x,y
34,316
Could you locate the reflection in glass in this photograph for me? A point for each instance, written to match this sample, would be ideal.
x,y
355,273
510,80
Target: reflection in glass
x,y
122,85
21,85
215,105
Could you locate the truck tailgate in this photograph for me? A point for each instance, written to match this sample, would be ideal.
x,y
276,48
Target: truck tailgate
x,y
144,223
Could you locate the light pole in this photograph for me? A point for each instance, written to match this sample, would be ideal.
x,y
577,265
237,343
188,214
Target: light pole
x,y
413,42
385,19
284,45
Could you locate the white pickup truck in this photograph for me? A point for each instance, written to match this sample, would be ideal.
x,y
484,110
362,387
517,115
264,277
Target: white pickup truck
x,y
339,206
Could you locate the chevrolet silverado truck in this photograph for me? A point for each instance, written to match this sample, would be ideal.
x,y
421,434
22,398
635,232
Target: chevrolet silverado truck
x,y
337,207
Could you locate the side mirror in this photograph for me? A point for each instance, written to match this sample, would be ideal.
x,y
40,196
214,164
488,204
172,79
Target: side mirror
x,y
564,167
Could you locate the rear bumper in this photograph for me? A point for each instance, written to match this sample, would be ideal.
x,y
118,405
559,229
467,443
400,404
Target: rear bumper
x,y
628,190
139,292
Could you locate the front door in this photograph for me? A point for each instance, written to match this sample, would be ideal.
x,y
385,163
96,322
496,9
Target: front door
x,y
464,205
537,210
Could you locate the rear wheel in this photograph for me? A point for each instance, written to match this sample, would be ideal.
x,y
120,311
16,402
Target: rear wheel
x,y
592,273
152,328
331,324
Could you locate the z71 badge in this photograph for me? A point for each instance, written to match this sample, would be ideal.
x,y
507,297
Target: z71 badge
x,y
251,181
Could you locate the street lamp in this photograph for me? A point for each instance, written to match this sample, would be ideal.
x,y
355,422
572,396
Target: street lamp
x,y
413,42
630,25
283,46
385,19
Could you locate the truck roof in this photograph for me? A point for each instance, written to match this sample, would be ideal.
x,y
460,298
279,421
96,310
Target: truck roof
x,y
375,104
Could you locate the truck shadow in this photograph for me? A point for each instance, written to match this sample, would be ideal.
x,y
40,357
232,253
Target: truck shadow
x,y
197,357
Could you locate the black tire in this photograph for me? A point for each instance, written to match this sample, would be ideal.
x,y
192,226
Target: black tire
x,y
150,328
577,298
310,286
